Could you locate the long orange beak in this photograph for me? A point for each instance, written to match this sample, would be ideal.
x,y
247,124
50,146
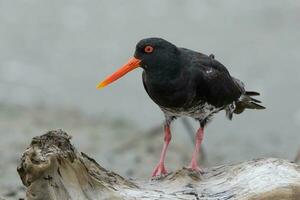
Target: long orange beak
x,y
129,66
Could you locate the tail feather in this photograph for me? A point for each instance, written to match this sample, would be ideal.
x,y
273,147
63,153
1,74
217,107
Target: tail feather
x,y
255,100
257,106
247,102
252,93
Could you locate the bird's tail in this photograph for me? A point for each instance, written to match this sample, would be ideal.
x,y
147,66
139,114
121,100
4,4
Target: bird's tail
x,y
246,101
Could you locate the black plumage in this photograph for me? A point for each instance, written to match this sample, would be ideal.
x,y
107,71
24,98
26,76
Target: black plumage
x,y
183,82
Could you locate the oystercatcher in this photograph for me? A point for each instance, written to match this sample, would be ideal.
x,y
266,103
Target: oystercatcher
x,y
183,82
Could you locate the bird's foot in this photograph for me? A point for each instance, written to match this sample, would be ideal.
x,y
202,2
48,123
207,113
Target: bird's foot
x,y
195,167
159,170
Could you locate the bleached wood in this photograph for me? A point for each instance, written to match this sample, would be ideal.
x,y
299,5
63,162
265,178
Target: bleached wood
x,y
52,169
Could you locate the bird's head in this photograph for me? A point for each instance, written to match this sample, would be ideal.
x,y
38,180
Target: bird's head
x,y
151,54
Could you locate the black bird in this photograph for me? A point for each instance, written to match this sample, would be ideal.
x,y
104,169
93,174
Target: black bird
x,y
183,82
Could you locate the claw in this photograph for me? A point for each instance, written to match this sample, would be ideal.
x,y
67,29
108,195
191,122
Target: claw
x,y
159,170
195,167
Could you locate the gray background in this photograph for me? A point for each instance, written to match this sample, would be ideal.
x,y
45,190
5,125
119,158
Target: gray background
x,y
53,54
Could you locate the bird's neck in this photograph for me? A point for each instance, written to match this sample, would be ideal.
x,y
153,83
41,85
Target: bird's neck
x,y
163,74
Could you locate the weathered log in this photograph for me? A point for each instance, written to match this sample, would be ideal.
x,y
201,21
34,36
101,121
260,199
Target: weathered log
x,y
51,168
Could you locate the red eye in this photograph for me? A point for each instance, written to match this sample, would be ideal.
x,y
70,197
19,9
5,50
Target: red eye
x,y
148,49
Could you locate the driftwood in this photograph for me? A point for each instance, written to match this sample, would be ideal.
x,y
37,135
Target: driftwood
x,y
51,168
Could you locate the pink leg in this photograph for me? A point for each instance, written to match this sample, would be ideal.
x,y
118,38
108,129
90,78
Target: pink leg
x,y
160,168
194,164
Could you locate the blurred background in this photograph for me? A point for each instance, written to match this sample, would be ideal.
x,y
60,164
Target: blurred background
x,y
53,54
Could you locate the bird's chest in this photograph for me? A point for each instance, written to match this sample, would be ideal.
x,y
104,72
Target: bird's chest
x,y
169,94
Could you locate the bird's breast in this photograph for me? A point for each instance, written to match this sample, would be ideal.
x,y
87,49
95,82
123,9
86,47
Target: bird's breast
x,y
169,93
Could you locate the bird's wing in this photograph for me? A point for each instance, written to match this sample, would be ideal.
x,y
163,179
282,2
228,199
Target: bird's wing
x,y
214,82
240,84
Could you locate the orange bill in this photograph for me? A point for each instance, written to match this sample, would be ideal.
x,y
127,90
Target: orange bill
x,y
129,66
